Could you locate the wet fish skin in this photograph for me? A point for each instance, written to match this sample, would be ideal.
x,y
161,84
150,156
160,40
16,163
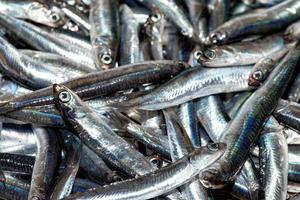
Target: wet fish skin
x,y
30,72
78,17
294,91
65,182
241,53
91,85
153,140
104,33
265,3
197,10
188,119
293,31
57,61
160,181
16,139
21,164
33,10
8,191
90,128
214,118
273,163
288,113
211,114
253,113
173,12
44,41
129,39
272,19
154,29
193,83
99,137
219,14
180,145
45,164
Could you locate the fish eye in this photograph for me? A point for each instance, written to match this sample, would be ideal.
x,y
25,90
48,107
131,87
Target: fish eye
x,y
217,37
64,96
55,17
209,54
106,59
155,17
197,54
213,147
258,75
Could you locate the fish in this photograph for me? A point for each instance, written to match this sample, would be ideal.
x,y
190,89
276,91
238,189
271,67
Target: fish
x,y
35,11
45,164
172,11
44,41
146,186
253,113
129,40
104,33
274,162
90,84
241,53
191,84
271,19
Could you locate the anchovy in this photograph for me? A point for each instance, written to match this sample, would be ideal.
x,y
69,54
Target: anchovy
x,y
294,91
154,28
293,31
197,10
102,83
65,182
193,83
188,119
172,11
273,162
57,61
157,142
241,53
30,72
45,164
98,136
218,10
91,128
34,11
104,19
16,139
180,145
272,19
159,182
129,39
288,113
44,41
211,113
253,113
77,17
21,164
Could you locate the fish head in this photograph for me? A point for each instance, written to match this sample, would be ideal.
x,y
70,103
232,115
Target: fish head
x,y
216,56
218,37
261,71
203,157
67,102
50,16
213,177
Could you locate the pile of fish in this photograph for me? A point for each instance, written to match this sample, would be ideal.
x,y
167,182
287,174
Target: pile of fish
x,y
150,99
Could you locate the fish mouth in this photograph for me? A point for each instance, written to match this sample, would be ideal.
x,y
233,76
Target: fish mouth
x,y
288,36
206,55
209,178
217,37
